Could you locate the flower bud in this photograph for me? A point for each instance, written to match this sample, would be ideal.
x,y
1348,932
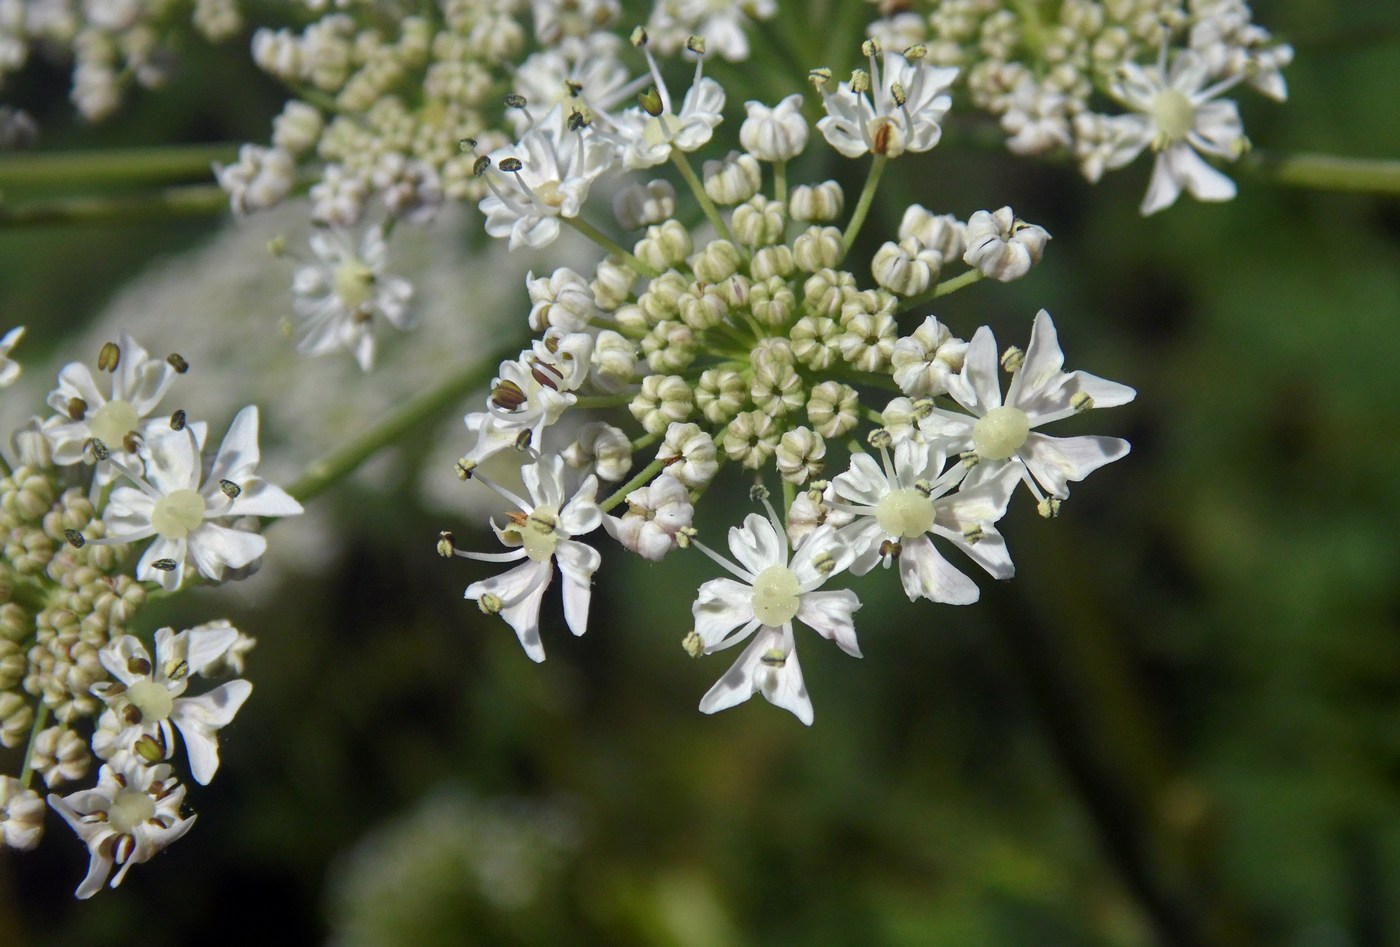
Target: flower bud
x,y
777,388
818,248
563,300
774,261
298,127
815,341
643,205
689,454
661,400
833,409
612,283
664,246
1002,246
759,222
718,261
720,394
669,347
750,439
825,291
661,300
602,448
703,306
816,203
942,232
732,180
772,301
925,360
801,455
906,268
614,362
774,134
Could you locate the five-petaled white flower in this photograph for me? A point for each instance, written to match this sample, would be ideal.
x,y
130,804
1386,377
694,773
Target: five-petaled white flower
x,y
772,588
1002,433
339,297
910,99
120,419
177,503
147,697
529,395
901,506
645,135
542,531
132,813
1179,117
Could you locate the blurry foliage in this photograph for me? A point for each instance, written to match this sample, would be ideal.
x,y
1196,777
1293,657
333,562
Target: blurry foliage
x,y
1180,722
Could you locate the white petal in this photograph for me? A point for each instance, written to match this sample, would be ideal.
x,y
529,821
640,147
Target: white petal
x,y
200,718
829,615
1164,187
756,545
1042,370
577,562
976,387
260,498
720,606
783,686
1057,461
238,454
926,574
1203,182
520,590
212,547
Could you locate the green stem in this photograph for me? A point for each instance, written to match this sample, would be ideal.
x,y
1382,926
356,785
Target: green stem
x,y
194,200
941,289
602,401
41,719
608,244
649,471
780,181
340,464
867,195
1325,172
682,163
163,165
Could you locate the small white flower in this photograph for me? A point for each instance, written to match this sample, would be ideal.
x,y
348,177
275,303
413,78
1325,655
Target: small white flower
x,y
528,395
1179,117
1002,433
542,178
21,815
132,813
146,700
924,360
563,300
172,504
339,297
722,24
9,368
1001,245
542,532
259,179
655,515
901,506
774,134
910,99
120,419
642,205
771,590
602,449
645,136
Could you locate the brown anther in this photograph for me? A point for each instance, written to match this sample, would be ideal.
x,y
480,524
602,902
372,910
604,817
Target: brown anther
x,y
177,420
891,549
230,489
481,165
511,165
75,539
109,357
508,396
99,449
176,362
77,409
165,565
515,100
132,442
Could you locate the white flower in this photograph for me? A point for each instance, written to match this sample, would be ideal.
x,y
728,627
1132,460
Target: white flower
x,y
563,300
339,297
771,590
1180,119
900,506
642,205
120,419
259,179
542,532
910,99
9,368
924,360
132,813
645,136
21,815
655,515
172,504
774,134
1001,245
542,178
146,700
581,72
1002,433
722,24
527,396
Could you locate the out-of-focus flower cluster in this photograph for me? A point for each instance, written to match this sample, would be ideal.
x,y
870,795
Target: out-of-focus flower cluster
x,y
107,470
757,340
1105,80
110,43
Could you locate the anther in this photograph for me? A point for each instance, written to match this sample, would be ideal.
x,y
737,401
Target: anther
x,y
1082,401
923,486
132,442
164,565
638,37
515,101
898,94
973,532
819,77
650,101
446,544
511,165
99,449
879,438
773,658
1012,359
148,749
464,468
481,165
824,562
758,493
177,420
230,489
77,409
490,604
75,539
693,644
139,666
1049,508
507,395
916,52
696,44
970,458
178,363
467,144
109,357
889,549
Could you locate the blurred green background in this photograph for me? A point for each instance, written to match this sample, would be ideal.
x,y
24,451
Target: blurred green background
x,y
1179,723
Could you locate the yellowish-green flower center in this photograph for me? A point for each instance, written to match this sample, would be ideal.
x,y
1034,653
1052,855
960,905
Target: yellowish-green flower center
x,y
776,596
549,194
1001,433
152,699
661,129
354,283
178,515
905,513
112,422
1173,114
540,534
130,808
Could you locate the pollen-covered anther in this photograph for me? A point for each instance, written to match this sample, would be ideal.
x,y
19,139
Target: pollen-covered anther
x,y
511,165
99,449
77,409
164,565
758,493
508,396
970,458
824,562
890,549
178,363
578,120
1082,401
973,532
923,486
75,539
693,644
464,468
230,489
639,37
1048,508
1012,359
109,357
515,100
773,658
820,77
481,165
696,44
880,437
490,603
916,52
684,535
523,440
177,420
860,81
898,94
871,47
446,544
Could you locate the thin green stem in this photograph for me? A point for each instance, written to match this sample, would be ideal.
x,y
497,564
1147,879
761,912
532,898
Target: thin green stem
x,y
646,440
329,470
789,497
682,163
602,401
780,181
608,244
867,195
164,165
194,200
1325,172
41,719
941,289
649,471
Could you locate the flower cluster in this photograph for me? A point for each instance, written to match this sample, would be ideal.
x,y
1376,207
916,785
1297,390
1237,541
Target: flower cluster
x,y
756,341
109,469
1105,80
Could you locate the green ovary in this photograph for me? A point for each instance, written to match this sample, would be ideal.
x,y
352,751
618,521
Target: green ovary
x,y
112,422
152,699
1001,433
130,808
178,514
540,535
905,513
1173,114
776,596
660,129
